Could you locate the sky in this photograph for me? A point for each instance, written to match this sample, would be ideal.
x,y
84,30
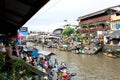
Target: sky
x,y
52,15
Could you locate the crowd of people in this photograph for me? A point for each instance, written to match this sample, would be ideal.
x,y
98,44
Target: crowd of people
x,y
46,64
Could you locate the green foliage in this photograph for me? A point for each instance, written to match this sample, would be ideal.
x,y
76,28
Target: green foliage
x,y
4,76
18,65
78,35
68,31
2,60
30,37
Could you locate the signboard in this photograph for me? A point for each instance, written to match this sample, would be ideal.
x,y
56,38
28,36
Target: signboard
x,y
24,29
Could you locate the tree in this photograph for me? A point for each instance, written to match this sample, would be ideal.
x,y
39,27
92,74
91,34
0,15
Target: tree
x,y
68,31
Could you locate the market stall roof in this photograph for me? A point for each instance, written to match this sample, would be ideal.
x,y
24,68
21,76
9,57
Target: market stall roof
x,y
113,34
15,13
46,53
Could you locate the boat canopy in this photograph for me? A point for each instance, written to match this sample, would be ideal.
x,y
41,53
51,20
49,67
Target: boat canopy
x,y
46,53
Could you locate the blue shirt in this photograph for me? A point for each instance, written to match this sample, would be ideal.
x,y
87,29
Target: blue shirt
x,y
35,53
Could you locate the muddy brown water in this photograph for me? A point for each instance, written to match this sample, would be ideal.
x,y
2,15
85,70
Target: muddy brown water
x,y
88,67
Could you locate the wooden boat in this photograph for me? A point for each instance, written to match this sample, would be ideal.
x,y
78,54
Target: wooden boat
x,y
110,55
63,47
64,73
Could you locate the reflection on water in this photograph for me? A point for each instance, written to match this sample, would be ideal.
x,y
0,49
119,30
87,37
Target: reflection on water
x,y
89,67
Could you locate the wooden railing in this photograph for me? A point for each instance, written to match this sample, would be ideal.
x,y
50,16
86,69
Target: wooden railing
x,y
95,20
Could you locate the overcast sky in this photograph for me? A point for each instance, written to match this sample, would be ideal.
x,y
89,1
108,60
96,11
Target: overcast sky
x,y
55,12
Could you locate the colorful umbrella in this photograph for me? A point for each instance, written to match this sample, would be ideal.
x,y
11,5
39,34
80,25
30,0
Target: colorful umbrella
x,y
19,35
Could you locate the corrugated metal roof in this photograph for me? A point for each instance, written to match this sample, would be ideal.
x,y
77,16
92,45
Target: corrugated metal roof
x,y
114,34
101,11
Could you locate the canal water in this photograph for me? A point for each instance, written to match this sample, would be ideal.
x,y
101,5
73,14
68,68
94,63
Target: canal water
x,y
88,67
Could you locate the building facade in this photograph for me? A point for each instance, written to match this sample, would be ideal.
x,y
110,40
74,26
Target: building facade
x,y
103,20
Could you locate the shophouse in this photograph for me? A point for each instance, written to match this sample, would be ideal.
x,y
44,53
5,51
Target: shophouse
x,y
100,22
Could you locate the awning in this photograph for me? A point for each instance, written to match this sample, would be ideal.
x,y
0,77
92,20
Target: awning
x,y
113,34
15,13
46,53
